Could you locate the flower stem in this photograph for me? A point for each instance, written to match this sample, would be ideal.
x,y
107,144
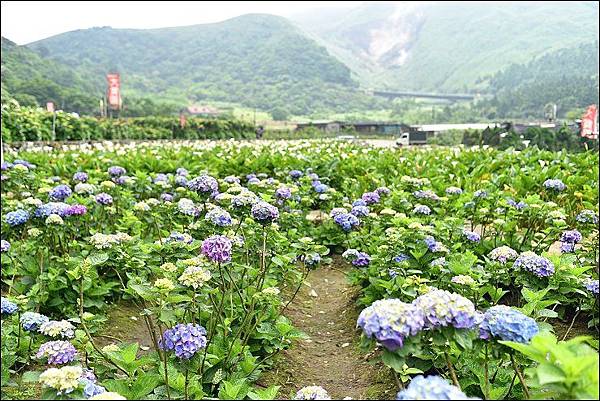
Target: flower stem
x,y
452,371
519,375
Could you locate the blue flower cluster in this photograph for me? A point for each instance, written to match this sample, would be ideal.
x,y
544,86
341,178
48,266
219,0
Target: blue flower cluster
x,y
219,217
80,176
587,217
422,209
431,388
517,205
390,321
60,192
589,284
8,307
426,194
360,211
482,194
370,198
295,174
32,321
472,236
283,193
555,185
507,324
453,191
381,191
264,212
104,199
59,208
17,217
356,257
538,265
346,221
116,171
568,240
184,339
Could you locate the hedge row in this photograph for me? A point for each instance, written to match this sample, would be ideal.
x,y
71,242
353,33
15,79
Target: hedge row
x,y
35,124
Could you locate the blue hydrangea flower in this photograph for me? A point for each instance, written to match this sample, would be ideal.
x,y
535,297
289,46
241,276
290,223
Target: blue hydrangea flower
x,y
370,198
381,191
57,352
185,339
312,393
360,211
160,177
443,308
359,202
90,388
390,321
166,197
480,194
204,184
312,259
59,208
8,307
433,245
431,388
80,176
346,221
357,258
454,191
32,321
571,236
264,212
181,172
472,236
507,324
538,265
283,193
181,181
17,217
231,179
422,209
295,174
116,171
400,258
321,188
587,217
4,246
60,193
219,217
426,194
337,210
589,284
555,185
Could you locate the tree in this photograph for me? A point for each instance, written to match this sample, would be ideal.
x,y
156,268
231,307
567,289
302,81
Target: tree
x,y
280,114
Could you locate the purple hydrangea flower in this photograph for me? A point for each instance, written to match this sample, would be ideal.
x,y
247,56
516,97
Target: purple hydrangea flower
x,y
555,185
587,217
283,193
17,217
160,177
231,179
360,211
166,197
433,245
116,171
104,199
60,193
454,191
58,352
503,254
312,259
219,217
346,221
370,198
572,236
181,172
24,163
185,339
179,237
431,388
4,246
217,248
472,236
359,202
32,321
204,184
362,259
426,194
337,210
7,307
507,324
480,194
422,209
80,176
76,210
538,265
264,212
442,308
181,181
390,321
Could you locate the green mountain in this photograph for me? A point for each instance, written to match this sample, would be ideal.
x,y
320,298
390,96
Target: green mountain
x,y
447,46
255,60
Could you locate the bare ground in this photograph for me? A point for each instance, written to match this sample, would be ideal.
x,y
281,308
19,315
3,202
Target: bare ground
x,y
330,357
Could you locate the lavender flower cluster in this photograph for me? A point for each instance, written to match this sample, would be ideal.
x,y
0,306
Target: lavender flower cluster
x,y
442,308
264,212
185,339
4,246
503,254
219,217
204,184
555,185
471,236
7,307
57,352
538,265
568,240
587,217
422,209
370,198
346,221
590,284
60,193
357,258
31,321
217,248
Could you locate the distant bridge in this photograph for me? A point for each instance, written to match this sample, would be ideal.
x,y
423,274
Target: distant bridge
x,y
443,96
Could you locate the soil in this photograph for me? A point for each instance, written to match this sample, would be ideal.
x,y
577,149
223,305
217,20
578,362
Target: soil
x,y
124,325
330,357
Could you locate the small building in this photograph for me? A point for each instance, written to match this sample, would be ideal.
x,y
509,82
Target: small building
x,y
201,111
323,125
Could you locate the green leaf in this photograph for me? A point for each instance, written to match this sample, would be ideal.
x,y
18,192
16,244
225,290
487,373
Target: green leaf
x,y
264,394
548,373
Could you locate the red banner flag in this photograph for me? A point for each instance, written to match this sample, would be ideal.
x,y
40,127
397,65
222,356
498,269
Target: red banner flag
x,y
589,124
114,91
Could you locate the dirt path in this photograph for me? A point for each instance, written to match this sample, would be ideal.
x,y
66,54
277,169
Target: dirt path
x,y
330,357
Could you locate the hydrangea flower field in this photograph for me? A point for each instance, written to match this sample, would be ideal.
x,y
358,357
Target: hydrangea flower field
x,y
476,269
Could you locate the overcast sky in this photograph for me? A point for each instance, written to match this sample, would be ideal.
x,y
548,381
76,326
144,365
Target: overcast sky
x,y
27,21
